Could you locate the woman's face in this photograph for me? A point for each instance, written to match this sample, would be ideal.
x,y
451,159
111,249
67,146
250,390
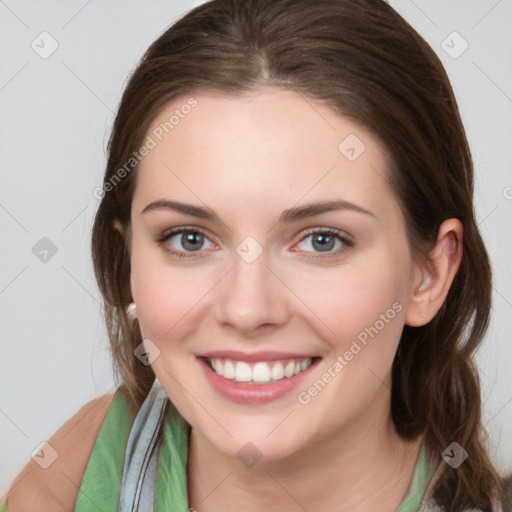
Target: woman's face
x,y
248,290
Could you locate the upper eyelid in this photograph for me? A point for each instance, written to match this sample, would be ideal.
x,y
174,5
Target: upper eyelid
x,y
333,231
309,231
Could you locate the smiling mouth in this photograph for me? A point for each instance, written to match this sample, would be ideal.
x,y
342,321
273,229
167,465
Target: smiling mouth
x,y
259,372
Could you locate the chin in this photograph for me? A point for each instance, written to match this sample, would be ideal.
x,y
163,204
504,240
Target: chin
x,y
251,449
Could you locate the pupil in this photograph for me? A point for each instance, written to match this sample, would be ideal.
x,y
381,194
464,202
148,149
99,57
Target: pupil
x,y
323,241
192,239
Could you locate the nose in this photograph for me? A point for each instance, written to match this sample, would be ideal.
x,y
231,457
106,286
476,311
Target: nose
x,y
253,298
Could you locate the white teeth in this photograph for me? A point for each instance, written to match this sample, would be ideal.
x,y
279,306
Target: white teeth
x,y
243,372
228,370
217,365
277,372
289,369
260,372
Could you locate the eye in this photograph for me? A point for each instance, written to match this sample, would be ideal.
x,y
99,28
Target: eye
x,y
325,241
183,241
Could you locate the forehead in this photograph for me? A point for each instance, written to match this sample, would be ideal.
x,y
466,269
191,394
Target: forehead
x,y
270,144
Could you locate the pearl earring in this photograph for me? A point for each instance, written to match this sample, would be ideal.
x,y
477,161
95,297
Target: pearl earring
x,y
131,311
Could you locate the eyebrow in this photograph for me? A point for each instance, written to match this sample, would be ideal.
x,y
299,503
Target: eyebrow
x,y
288,216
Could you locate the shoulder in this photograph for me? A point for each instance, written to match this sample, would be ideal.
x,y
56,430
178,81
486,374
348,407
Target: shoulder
x,y
56,487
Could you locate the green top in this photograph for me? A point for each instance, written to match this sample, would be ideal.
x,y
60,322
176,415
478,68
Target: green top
x,y
419,482
102,477
101,482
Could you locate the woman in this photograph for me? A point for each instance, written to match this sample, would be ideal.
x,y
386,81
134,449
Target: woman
x,y
293,277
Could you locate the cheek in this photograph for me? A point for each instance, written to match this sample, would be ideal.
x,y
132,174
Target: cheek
x,y
365,314
364,310
353,301
368,322
166,295
165,301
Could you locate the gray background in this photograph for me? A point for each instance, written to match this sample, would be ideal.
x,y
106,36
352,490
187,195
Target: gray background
x,y
56,116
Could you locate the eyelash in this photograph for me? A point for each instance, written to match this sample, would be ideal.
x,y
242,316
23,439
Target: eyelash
x,y
347,241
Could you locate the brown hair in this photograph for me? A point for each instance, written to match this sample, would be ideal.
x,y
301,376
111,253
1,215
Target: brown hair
x,y
366,62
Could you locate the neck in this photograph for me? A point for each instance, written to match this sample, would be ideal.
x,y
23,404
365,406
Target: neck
x,y
364,467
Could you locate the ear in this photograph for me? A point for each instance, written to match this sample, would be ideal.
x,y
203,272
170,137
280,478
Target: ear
x,y
433,280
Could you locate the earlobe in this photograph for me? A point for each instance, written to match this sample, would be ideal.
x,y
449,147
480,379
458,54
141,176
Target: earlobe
x,y
418,311
437,275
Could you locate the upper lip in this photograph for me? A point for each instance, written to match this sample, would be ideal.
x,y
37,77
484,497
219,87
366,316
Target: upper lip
x,y
253,356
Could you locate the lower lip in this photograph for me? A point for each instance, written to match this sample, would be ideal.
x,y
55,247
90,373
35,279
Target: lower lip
x,y
244,393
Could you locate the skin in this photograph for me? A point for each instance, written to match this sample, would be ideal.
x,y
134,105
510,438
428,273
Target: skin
x,y
248,159
54,488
